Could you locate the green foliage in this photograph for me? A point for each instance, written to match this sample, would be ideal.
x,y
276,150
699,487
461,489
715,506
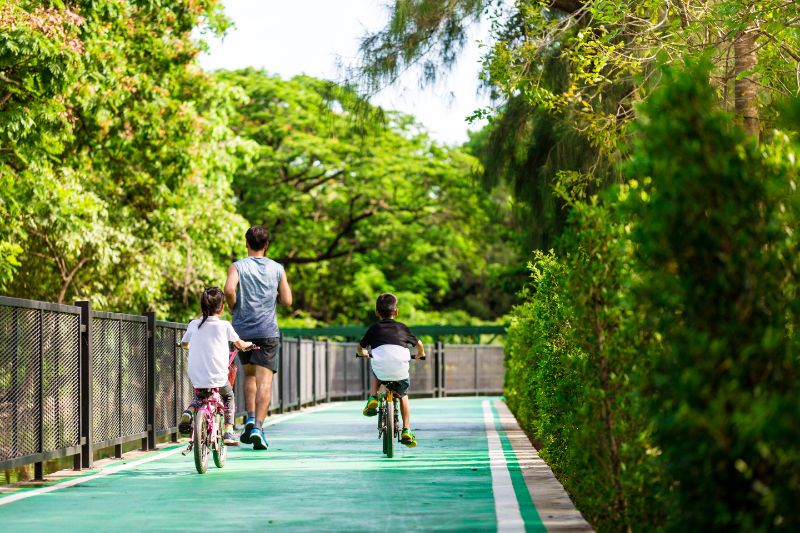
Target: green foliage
x,y
129,176
574,359
116,151
656,358
567,76
357,208
719,282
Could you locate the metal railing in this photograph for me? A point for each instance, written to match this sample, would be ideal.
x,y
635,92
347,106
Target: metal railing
x,y
74,380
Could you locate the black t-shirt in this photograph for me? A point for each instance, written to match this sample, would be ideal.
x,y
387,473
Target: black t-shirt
x,y
388,331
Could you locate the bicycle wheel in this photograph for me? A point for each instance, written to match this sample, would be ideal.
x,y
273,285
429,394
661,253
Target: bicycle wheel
x,y
381,423
220,451
388,433
200,442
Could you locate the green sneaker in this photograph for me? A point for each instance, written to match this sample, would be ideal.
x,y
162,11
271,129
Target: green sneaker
x,y
408,438
371,409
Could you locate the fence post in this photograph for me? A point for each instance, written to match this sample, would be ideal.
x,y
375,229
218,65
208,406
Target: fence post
x,y
14,379
442,358
87,452
175,384
314,371
299,367
150,443
327,370
38,468
118,447
475,367
436,388
346,381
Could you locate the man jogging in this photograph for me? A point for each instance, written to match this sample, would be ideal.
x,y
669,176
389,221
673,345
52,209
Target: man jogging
x,y
253,289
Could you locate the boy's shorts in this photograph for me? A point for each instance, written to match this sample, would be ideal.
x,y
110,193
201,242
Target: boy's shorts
x,y
266,355
399,387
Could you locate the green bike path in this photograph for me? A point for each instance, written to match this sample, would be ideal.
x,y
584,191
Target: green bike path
x,y
324,471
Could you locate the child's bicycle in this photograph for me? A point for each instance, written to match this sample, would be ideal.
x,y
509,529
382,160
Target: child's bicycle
x,y
389,427
206,433
209,419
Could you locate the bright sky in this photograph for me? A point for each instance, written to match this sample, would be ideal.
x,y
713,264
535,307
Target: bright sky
x,y
290,37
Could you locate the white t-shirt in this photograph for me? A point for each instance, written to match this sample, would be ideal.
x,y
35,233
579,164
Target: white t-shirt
x,y
390,362
208,351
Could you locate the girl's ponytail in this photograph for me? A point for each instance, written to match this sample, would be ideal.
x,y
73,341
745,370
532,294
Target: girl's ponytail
x,y
211,302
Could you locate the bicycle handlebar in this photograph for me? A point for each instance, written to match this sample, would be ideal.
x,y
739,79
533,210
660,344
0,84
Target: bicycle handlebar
x,y
413,356
251,348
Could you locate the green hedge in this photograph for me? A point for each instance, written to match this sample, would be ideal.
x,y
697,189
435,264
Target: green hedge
x,y
655,356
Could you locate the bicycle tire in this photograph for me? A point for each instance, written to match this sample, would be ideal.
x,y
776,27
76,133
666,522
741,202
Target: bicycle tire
x,y
220,452
388,434
200,442
381,426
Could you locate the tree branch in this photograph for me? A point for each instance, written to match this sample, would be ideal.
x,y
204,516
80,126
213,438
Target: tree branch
x,y
68,279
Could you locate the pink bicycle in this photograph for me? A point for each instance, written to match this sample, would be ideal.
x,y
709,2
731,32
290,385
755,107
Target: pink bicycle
x,y
206,433
208,423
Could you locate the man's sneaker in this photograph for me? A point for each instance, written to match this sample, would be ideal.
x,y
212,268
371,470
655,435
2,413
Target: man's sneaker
x,y
249,424
408,438
229,439
185,425
371,409
258,440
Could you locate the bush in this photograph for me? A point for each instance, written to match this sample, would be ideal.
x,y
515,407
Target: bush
x,y
717,246
572,363
655,357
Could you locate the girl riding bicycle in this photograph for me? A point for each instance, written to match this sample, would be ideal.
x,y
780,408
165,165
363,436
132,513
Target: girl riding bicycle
x,y
207,341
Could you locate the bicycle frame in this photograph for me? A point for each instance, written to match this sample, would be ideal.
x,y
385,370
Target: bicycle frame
x,y
388,420
211,410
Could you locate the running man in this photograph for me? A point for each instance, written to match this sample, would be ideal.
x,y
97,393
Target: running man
x,y
253,289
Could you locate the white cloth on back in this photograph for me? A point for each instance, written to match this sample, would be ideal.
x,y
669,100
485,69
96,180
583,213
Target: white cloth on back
x,y
390,362
208,351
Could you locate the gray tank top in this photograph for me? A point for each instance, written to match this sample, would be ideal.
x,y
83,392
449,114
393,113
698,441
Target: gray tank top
x,y
256,298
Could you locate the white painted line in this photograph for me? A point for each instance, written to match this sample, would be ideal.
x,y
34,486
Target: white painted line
x,y
283,418
76,481
114,469
506,505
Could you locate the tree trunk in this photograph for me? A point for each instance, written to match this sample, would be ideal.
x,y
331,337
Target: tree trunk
x,y
745,88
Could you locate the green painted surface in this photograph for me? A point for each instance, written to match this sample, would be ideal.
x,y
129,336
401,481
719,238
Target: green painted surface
x,y
324,471
533,522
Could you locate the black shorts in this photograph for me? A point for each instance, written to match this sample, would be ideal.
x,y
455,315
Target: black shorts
x,y
399,387
266,355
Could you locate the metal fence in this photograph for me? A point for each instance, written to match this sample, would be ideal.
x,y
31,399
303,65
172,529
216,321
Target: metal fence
x,y
74,380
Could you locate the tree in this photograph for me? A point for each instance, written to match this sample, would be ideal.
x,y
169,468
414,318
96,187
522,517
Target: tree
x,y
360,208
582,66
713,233
121,152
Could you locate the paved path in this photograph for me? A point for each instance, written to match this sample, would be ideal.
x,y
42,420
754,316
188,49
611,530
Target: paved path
x,y
324,471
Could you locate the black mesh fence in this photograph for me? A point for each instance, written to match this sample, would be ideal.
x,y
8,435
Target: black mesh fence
x,y
165,416
119,376
72,379
39,380
170,377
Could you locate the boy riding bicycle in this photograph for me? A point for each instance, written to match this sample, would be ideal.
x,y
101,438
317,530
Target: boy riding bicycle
x,y
389,341
207,341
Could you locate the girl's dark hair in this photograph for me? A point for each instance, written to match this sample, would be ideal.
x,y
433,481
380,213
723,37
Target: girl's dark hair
x,y
211,302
